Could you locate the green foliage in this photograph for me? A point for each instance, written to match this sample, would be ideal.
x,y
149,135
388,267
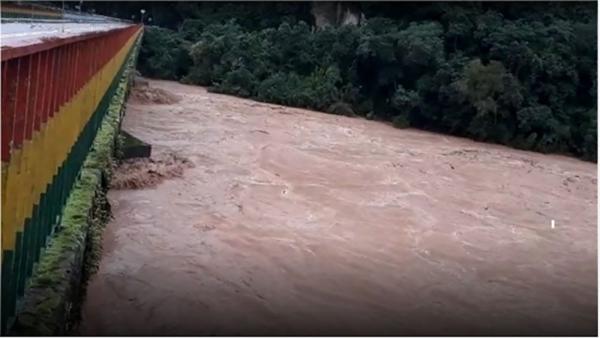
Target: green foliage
x,y
164,54
341,108
405,100
521,74
401,121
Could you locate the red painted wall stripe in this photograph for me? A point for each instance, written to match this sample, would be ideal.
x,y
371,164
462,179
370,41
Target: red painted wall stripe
x,y
21,103
9,89
32,95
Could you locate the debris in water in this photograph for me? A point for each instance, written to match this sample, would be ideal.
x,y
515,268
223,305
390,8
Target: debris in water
x,y
139,173
146,94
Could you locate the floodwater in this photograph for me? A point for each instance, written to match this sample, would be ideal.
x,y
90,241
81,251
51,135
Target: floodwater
x,y
295,222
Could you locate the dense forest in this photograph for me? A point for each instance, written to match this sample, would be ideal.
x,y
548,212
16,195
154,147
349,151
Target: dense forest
x,y
520,74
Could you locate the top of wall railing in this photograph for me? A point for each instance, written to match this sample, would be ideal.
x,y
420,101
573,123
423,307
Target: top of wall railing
x,y
32,27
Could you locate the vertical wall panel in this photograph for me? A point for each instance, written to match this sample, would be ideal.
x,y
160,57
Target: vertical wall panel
x,y
9,90
21,102
32,96
53,83
42,91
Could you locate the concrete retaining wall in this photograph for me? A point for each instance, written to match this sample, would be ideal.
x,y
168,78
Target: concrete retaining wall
x,y
55,96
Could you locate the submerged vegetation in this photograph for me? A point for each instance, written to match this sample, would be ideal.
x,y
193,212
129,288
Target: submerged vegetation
x,y
520,74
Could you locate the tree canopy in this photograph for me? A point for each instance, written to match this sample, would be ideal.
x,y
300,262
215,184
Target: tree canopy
x,y
520,74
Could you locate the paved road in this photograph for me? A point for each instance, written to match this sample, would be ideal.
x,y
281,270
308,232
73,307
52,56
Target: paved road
x,y
15,34
297,222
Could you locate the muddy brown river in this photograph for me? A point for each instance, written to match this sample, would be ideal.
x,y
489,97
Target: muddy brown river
x,y
294,222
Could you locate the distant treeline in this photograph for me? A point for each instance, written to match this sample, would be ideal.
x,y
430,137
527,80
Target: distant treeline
x,y
520,74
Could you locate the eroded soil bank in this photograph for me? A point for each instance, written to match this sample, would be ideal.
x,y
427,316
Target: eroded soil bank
x,y
297,222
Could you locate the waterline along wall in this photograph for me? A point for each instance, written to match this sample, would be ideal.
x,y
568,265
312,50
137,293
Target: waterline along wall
x,y
55,95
